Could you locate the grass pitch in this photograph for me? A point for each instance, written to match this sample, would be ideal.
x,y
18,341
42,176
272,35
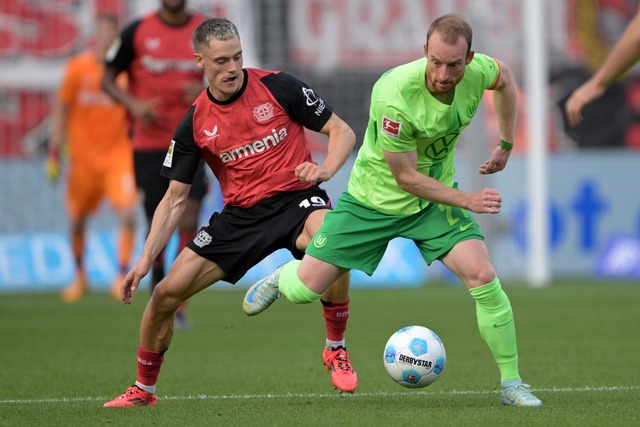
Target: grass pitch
x,y
579,348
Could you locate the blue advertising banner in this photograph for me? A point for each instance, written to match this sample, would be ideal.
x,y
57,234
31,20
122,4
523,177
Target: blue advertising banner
x,y
43,261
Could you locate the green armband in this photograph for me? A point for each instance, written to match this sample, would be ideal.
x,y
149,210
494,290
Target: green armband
x,y
507,146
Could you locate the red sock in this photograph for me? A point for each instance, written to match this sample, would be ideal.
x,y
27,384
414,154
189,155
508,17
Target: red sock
x,y
336,315
149,363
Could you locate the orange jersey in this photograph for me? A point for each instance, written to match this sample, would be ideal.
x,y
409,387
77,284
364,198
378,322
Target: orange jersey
x,y
97,127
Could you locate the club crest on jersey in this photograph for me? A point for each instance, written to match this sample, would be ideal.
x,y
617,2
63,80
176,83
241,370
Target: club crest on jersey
x,y
263,112
390,127
202,239
168,159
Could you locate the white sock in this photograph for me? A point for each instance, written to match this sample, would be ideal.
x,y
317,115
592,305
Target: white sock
x,y
335,344
148,388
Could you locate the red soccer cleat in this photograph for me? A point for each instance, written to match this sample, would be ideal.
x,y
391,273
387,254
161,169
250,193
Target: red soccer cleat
x,y
343,377
134,396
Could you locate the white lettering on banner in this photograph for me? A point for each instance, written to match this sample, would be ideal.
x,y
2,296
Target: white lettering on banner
x,y
14,262
34,261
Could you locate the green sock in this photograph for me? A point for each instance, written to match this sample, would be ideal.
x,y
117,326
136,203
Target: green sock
x,y
497,328
292,287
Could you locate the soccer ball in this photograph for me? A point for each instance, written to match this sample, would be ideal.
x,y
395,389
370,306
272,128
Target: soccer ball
x,y
414,357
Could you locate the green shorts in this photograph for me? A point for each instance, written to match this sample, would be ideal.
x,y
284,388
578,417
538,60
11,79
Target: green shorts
x,y
355,236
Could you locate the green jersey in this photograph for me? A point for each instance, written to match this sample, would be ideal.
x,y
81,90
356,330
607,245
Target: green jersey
x,y
404,117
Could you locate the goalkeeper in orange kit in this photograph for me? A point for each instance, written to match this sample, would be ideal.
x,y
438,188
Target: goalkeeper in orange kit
x,y
95,130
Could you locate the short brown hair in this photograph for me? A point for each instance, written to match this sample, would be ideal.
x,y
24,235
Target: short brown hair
x,y
451,27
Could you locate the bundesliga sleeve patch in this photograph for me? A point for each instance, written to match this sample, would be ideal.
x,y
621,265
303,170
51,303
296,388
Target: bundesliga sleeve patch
x,y
390,127
168,159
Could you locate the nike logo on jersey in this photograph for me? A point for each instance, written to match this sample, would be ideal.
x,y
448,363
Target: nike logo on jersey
x,y
464,227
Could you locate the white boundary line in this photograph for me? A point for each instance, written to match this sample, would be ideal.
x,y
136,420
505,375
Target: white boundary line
x,y
585,389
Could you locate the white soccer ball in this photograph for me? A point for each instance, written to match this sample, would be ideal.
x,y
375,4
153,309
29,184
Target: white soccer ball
x,y
414,357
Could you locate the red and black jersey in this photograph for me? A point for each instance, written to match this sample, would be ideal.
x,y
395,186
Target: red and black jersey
x,y
159,60
253,141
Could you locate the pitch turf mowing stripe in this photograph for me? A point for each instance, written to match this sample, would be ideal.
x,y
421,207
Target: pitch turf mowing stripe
x,y
585,389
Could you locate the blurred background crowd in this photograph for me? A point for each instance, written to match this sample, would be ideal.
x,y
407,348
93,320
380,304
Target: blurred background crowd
x,y
340,47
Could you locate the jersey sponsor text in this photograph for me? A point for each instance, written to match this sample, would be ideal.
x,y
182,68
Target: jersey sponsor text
x,y
255,147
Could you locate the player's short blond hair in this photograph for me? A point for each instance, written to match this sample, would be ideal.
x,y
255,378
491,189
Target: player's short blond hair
x,y
214,28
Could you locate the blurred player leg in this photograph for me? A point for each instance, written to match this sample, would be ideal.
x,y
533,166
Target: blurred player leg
x,y
76,290
123,195
83,196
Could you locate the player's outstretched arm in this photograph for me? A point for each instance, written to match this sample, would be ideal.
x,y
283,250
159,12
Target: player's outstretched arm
x,y
341,142
403,166
625,53
141,110
165,221
59,117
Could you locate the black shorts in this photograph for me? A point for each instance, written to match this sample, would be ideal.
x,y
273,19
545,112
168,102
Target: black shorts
x,y
153,186
238,238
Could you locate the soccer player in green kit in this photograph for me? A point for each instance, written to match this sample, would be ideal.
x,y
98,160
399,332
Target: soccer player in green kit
x,y
402,185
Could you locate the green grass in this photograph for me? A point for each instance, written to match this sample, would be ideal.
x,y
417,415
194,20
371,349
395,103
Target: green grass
x,y
579,348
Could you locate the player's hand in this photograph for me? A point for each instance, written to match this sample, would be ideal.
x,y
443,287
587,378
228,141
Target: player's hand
x,y
310,173
132,279
53,166
486,200
145,112
496,163
582,96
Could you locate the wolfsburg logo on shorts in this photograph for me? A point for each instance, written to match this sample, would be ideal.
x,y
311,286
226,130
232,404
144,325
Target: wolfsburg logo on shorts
x,y
202,239
319,241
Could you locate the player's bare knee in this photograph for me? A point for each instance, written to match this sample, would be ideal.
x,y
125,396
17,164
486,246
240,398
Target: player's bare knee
x,y
166,300
485,275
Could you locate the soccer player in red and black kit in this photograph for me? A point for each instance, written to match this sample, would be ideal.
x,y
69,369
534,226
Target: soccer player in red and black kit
x,y
156,53
248,127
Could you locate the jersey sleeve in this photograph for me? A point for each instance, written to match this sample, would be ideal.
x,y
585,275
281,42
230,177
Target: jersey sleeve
x,y
121,53
489,68
393,129
183,155
300,102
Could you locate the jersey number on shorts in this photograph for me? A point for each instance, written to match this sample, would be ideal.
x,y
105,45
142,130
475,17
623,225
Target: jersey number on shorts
x,y
313,201
452,220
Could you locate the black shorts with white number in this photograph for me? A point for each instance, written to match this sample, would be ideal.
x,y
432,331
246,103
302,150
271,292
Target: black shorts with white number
x,y
238,238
